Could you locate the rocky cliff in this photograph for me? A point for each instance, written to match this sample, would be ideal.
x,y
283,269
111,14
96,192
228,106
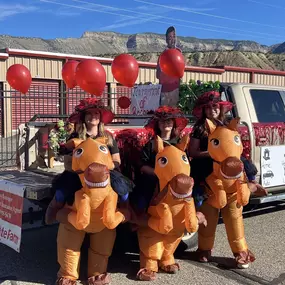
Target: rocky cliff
x,y
147,46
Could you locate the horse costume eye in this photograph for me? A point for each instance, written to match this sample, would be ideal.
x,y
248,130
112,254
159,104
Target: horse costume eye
x,y
185,159
103,149
162,161
78,152
237,140
215,142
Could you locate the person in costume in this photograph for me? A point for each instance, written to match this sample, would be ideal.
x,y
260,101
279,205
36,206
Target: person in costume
x,y
168,123
90,118
209,106
169,85
93,212
171,212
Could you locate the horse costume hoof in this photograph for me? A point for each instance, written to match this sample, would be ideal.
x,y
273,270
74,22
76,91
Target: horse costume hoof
x,y
171,269
242,265
102,279
146,275
65,281
244,258
204,255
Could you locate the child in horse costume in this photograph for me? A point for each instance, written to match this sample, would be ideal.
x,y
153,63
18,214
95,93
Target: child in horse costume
x,y
227,191
94,211
171,212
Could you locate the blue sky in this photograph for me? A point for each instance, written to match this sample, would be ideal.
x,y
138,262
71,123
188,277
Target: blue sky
x,y
257,20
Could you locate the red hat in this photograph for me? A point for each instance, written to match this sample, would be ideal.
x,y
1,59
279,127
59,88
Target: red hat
x,y
164,113
210,98
88,104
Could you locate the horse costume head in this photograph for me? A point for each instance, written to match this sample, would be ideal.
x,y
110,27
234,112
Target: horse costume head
x,y
93,159
225,148
172,167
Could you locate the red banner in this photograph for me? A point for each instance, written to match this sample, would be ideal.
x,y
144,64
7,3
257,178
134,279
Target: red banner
x,y
11,209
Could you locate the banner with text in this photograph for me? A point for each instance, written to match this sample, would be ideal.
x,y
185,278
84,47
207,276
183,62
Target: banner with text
x,y
145,98
11,209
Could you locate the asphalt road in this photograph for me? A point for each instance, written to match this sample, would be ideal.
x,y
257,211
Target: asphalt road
x,y
265,231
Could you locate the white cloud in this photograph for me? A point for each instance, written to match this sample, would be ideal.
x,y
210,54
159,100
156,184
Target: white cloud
x,y
181,8
66,13
124,23
148,14
7,10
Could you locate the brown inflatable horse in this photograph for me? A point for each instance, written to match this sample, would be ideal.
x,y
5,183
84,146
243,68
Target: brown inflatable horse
x,y
171,212
94,212
228,191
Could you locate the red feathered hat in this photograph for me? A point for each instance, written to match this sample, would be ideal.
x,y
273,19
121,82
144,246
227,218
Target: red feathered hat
x,y
88,104
210,98
164,113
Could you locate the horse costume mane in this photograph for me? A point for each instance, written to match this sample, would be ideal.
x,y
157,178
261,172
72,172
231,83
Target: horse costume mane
x,y
228,177
171,212
95,204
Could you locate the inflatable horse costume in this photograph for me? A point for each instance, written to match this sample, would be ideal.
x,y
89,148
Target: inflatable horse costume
x,y
94,211
171,212
228,191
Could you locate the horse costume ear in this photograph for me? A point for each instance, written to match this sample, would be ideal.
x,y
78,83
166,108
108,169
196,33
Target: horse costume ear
x,y
159,145
182,145
102,140
210,126
73,143
233,125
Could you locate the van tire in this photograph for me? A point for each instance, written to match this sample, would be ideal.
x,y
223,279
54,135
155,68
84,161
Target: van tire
x,y
189,241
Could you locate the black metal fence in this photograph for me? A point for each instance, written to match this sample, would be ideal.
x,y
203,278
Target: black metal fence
x,y
45,102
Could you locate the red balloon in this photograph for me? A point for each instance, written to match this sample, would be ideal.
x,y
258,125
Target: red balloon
x,y
19,78
91,76
124,102
68,73
172,63
125,69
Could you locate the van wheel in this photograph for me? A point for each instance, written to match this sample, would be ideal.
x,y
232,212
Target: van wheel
x,y
189,241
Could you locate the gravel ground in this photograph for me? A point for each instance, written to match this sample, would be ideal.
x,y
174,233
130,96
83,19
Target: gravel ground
x,y
265,231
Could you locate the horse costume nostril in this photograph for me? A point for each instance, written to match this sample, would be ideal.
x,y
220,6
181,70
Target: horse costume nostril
x,y
182,184
97,167
232,167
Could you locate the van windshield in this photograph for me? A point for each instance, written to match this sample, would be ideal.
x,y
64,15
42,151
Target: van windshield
x,y
269,105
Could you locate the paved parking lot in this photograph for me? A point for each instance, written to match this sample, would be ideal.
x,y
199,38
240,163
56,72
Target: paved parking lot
x,y
265,231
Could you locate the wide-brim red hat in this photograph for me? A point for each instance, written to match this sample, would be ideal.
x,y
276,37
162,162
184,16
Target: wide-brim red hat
x,y
164,113
209,99
87,104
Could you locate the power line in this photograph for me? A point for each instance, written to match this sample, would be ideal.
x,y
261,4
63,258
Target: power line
x,y
156,21
209,15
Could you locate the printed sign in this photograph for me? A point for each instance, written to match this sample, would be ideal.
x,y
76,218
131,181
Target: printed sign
x,y
145,98
11,209
272,165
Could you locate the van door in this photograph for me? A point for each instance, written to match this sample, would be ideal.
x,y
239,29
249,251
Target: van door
x,y
267,113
